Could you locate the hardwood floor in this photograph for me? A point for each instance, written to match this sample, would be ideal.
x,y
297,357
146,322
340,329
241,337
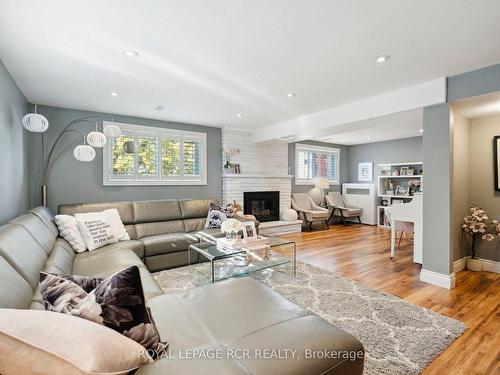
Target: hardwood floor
x,y
357,251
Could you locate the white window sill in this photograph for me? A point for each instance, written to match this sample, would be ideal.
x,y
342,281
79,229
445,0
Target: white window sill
x,y
153,183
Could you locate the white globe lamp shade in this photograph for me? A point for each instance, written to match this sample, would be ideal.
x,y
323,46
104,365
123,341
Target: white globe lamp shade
x,y
112,131
96,139
84,153
35,122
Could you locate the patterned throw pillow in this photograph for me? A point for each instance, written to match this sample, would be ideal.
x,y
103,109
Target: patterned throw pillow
x,y
217,214
116,302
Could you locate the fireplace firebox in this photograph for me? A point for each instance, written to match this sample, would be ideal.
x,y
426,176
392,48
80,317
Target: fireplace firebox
x,y
264,205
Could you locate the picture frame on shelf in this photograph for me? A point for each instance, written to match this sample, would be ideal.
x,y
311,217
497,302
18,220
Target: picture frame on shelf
x,y
410,172
365,171
385,170
404,171
237,169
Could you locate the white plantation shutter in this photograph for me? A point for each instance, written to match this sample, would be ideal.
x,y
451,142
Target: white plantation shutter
x,y
312,162
192,157
161,157
171,157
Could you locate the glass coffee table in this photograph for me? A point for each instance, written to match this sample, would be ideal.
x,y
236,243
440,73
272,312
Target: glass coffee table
x,y
220,265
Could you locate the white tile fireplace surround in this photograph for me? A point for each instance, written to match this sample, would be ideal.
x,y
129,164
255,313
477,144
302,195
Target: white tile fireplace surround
x,y
263,168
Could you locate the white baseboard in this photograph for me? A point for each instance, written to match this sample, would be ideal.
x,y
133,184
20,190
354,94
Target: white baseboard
x,y
488,265
459,264
434,278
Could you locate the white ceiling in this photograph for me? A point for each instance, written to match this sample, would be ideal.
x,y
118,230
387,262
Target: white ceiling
x,y
478,106
395,126
206,61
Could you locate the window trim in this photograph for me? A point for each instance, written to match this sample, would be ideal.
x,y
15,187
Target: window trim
x,y
108,179
306,147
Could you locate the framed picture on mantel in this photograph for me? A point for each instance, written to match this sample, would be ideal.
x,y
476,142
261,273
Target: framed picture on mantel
x,y
496,160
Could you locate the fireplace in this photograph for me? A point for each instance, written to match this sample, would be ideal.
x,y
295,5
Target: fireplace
x,y
264,205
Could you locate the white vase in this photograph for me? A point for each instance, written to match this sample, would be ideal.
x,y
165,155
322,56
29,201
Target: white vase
x,y
474,265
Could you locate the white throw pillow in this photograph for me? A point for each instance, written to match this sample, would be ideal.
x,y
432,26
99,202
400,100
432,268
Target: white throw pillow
x,y
101,228
68,229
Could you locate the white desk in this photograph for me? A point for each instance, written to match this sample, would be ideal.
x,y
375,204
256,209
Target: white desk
x,y
409,212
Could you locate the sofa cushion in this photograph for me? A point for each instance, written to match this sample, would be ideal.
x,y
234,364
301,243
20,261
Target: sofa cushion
x,y
44,214
176,365
38,230
22,251
43,342
167,243
15,291
161,227
194,225
104,262
269,321
124,209
195,208
154,211
61,258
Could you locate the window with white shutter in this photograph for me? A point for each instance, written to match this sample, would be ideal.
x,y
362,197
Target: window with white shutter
x,y
312,162
155,156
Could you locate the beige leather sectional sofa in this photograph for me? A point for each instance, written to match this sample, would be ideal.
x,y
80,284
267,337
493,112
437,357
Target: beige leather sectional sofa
x,y
230,317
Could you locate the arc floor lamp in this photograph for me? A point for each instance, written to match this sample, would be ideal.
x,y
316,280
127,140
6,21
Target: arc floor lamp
x,y
37,123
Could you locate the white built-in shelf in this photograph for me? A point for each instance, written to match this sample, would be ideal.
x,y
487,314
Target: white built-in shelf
x,y
235,175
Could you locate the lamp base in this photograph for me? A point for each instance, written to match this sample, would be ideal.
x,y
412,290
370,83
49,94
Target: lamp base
x,y
44,195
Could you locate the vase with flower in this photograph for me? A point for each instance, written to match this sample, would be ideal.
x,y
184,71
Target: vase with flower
x,y
477,226
232,229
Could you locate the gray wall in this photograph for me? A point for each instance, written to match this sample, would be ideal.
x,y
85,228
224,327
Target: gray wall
x,y
437,241
315,193
481,178
461,182
14,183
395,151
71,181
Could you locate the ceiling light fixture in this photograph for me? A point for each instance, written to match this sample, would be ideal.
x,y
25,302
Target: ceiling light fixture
x,y
382,59
159,107
131,53
421,130
369,139
113,93
240,115
290,94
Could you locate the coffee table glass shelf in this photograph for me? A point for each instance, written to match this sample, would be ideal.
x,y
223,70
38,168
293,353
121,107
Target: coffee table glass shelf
x,y
220,265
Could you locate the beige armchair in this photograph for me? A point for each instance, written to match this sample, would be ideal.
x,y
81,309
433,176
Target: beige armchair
x,y
339,207
308,210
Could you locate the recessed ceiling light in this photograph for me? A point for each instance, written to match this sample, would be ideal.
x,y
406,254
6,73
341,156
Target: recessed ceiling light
x,y
421,130
113,93
159,107
239,115
369,139
382,59
290,94
131,53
